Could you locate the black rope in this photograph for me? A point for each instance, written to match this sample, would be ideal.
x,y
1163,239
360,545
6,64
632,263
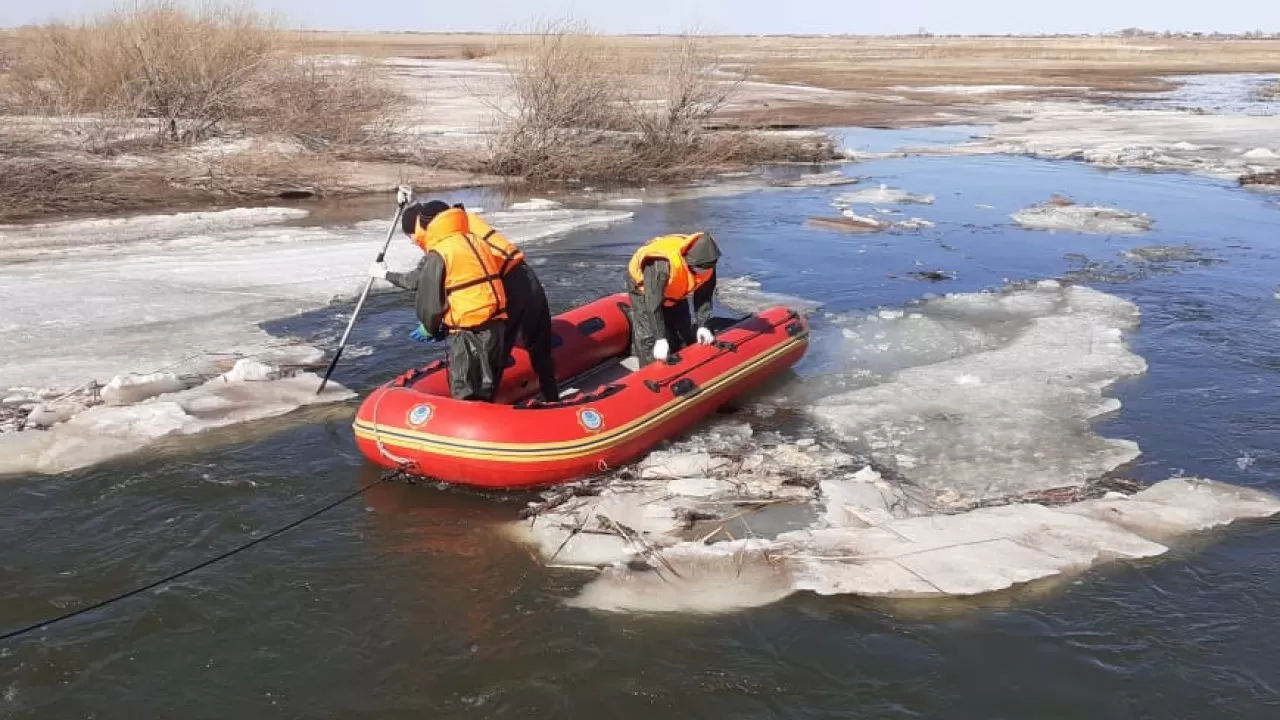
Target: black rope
x,y
181,573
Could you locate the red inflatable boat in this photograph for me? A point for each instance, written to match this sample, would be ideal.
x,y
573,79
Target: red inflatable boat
x,y
610,413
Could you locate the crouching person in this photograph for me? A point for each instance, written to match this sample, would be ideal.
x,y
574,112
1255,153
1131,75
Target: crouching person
x,y
662,277
459,295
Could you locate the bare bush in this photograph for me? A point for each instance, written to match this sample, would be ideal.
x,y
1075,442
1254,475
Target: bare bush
x,y
192,74
561,89
576,112
36,182
326,105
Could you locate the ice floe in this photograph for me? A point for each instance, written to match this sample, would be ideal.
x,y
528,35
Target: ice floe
x,y
883,195
1067,216
954,456
249,391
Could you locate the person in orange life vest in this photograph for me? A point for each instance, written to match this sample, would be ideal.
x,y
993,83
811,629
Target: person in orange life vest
x,y
662,277
459,294
528,314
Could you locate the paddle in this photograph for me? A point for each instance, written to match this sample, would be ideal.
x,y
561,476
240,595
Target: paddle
x,y
342,344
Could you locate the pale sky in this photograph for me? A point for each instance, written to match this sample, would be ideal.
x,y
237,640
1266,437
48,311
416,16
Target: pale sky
x,y
740,16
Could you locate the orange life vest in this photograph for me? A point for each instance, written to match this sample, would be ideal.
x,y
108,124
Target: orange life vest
x,y
509,255
472,281
683,281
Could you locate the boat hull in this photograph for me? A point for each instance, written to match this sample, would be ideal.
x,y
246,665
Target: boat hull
x,y
411,423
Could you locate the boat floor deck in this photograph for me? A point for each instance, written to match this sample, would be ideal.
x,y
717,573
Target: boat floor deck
x,y
602,374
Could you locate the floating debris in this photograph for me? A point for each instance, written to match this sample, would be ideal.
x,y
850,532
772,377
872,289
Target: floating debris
x,y
1167,254
854,224
933,275
1270,179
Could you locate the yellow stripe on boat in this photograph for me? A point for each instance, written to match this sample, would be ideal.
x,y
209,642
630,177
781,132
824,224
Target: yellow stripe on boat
x,y
401,437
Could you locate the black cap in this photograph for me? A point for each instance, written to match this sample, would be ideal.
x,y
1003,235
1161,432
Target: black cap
x,y
420,214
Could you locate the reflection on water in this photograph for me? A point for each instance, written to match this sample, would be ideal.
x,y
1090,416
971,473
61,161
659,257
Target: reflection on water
x,y
408,603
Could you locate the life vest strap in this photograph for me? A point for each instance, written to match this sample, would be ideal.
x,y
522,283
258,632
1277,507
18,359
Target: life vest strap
x,y
450,289
508,258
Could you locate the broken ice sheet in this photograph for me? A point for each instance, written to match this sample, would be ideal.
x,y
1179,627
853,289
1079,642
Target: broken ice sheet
x,y
971,399
249,391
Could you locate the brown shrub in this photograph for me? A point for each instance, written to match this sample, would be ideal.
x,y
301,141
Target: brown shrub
x,y
192,74
35,183
578,113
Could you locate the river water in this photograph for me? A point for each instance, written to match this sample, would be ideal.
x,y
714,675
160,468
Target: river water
x,y
407,602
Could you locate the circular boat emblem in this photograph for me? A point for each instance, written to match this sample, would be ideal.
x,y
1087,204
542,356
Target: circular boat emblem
x,y
419,415
590,419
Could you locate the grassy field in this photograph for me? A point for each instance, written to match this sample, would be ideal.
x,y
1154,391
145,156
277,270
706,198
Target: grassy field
x,y
889,72
331,137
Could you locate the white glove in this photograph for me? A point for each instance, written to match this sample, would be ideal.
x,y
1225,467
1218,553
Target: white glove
x,y
404,194
378,270
705,337
660,349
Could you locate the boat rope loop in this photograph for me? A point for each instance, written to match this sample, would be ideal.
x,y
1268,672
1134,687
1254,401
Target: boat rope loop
x,y
384,477
403,463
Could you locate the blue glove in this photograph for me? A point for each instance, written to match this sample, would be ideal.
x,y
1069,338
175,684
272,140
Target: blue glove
x,y
419,334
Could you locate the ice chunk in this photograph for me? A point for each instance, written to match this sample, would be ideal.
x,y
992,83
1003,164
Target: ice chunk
x,y
1034,363
676,465
250,370
1261,153
108,431
696,487
1095,219
1179,506
129,389
536,204
883,195
716,579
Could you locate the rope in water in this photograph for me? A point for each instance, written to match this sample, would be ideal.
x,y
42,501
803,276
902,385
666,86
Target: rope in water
x,y
187,571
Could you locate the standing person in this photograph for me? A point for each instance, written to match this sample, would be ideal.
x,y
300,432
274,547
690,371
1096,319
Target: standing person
x,y
528,314
460,295
662,277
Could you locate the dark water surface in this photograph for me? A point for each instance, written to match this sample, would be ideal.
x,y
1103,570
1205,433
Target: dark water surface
x,y
409,603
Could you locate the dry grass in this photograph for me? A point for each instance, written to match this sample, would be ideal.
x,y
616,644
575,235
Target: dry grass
x,y
575,113
192,74
1270,93
879,68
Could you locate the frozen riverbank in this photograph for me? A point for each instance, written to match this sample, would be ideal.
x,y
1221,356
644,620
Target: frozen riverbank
x,y
185,294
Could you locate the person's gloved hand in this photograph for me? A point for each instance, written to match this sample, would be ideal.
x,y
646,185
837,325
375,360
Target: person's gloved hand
x,y
404,194
419,334
378,270
661,349
705,337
